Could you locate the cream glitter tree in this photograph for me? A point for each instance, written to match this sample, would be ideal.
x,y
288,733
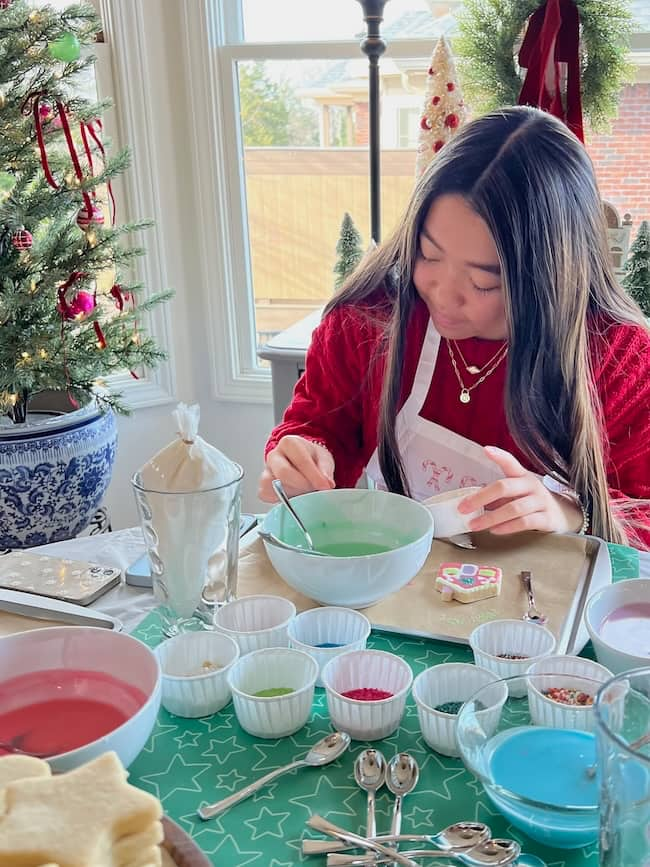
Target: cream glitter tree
x,y
444,109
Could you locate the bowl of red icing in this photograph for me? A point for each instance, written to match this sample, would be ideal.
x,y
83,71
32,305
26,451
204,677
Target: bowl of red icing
x,y
70,693
618,622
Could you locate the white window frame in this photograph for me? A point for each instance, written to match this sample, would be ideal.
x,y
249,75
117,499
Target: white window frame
x,y
211,47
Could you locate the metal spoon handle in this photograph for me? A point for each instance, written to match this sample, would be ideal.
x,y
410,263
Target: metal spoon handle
x,y
321,824
281,493
528,586
207,811
371,826
324,847
363,860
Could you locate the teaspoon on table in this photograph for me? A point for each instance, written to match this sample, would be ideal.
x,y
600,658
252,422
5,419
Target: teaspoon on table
x,y
402,777
370,773
533,615
456,837
490,853
325,751
282,496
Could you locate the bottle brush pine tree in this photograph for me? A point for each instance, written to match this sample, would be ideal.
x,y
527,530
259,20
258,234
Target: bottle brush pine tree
x,y
636,280
348,250
68,311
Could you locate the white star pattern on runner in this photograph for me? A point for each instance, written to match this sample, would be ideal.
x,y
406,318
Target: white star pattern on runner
x,y
221,752
188,739
425,821
221,720
266,793
176,770
324,794
230,781
160,729
264,815
230,855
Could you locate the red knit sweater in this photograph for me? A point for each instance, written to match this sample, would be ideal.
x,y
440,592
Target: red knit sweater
x,y
336,401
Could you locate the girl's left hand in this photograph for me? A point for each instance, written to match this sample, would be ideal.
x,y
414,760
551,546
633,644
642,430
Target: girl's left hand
x,y
520,502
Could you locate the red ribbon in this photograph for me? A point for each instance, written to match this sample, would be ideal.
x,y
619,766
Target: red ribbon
x,y
116,292
101,340
88,128
553,37
63,307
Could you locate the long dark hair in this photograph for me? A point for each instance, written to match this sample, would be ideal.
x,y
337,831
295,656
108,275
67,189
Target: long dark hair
x,y
532,182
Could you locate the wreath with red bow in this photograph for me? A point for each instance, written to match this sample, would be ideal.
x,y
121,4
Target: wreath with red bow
x,y
568,57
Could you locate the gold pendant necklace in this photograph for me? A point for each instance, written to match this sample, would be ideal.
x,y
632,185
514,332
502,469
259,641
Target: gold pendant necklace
x,y
472,368
464,395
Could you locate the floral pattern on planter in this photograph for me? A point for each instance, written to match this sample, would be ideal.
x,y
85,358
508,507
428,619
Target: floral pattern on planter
x,y
51,484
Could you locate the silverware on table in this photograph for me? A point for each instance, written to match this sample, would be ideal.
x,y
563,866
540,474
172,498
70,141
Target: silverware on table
x,y
46,608
322,753
402,776
533,615
490,853
462,540
321,824
456,837
370,774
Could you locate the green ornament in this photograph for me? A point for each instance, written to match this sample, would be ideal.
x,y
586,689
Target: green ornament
x,y
7,182
66,48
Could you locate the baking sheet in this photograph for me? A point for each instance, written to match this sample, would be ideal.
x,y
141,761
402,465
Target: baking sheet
x,y
565,569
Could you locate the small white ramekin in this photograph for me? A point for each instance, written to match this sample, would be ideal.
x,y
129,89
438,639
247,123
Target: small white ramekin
x,y
187,690
369,669
572,672
273,668
518,637
453,682
344,627
256,622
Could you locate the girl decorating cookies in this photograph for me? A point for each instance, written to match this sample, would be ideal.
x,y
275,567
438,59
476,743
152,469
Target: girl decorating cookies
x,y
486,343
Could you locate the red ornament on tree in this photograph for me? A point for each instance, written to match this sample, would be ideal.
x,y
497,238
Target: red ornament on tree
x,y
451,86
437,145
424,123
81,305
85,219
5,4
22,239
435,100
451,121
432,71
45,112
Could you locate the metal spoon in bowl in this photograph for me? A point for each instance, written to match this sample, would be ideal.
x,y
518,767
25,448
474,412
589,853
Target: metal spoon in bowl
x,y
325,751
282,496
457,837
278,543
490,853
635,745
370,773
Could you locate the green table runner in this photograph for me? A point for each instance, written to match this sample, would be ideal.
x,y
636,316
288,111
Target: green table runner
x,y
188,761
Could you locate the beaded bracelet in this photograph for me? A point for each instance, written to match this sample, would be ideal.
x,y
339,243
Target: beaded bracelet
x,y
564,490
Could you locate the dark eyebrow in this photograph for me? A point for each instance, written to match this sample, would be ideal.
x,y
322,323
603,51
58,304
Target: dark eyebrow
x,y
491,269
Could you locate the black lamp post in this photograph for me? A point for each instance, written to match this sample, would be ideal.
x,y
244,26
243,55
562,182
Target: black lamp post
x,y
373,46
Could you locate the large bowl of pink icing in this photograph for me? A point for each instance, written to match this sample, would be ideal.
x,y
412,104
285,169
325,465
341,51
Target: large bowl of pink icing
x,y
618,622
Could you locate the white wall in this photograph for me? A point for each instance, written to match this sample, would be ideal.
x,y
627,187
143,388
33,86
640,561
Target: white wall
x,y
238,429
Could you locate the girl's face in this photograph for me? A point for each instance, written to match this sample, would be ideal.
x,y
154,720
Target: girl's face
x,y
457,272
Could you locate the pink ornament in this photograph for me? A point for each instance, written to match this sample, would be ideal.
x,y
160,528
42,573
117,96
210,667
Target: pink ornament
x,y
5,4
84,219
22,239
424,123
44,112
437,145
81,304
451,86
435,100
451,121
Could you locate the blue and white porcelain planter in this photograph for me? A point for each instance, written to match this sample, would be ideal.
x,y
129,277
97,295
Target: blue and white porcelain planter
x,y
54,473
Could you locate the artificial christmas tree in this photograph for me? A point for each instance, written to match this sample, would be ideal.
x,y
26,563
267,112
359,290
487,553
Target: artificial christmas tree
x,y
636,280
348,250
67,306
444,109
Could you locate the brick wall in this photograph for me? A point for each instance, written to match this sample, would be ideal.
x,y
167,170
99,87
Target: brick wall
x,y
622,158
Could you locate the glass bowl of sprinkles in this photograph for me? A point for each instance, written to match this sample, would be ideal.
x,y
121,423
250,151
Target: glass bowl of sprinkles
x,y
540,772
273,691
327,632
559,696
366,692
439,694
510,647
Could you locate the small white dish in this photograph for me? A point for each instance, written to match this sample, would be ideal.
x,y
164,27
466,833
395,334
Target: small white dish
x,y
256,622
327,632
367,669
493,642
453,682
564,672
622,597
447,520
195,668
271,669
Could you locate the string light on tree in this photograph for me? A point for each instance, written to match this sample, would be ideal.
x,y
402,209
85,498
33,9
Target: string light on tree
x,y
444,108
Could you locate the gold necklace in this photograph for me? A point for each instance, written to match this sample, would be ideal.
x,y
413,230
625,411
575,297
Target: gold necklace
x,y
464,396
472,368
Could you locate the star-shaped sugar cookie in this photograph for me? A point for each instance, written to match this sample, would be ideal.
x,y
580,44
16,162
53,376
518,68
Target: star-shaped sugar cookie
x,y
77,818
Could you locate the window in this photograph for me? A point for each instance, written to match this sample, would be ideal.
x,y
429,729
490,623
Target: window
x,y
292,110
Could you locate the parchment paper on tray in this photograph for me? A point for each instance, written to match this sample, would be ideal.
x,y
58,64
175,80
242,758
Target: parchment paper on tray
x,y
558,563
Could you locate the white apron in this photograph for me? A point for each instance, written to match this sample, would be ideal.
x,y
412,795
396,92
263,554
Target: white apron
x,y
435,459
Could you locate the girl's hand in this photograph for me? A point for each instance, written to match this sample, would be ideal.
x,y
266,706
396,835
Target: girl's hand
x,y
520,502
301,465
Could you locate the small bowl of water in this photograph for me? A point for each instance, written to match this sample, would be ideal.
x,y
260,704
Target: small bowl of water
x,y
374,543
